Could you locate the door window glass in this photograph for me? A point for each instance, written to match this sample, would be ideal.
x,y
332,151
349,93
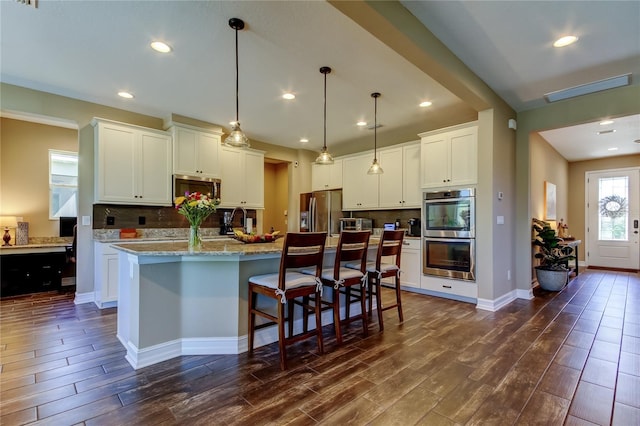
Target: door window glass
x,y
613,195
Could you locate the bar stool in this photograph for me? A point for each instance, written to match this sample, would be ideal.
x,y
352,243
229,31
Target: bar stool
x,y
352,247
300,250
390,245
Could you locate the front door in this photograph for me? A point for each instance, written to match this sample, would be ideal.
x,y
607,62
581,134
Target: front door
x,y
613,212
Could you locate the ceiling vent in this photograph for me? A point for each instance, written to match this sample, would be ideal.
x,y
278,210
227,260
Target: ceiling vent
x,y
585,89
32,3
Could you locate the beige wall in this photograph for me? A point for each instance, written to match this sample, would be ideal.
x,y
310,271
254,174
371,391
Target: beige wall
x,y
576,197
276,199
547,165
24,171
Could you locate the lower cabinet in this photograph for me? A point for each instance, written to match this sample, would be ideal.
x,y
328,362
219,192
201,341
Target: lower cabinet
x,y
410,263
105,275
31,273
454,289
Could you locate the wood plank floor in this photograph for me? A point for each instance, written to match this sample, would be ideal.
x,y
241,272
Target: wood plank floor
x,y
563,358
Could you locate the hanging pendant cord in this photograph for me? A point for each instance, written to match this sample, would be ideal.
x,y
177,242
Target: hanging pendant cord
x,y
237,78
325,113
375,128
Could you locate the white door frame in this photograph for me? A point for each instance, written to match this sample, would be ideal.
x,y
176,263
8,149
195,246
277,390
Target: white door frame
x,y
586,210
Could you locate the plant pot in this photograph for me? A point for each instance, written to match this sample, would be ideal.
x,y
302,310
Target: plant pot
x,y
552,280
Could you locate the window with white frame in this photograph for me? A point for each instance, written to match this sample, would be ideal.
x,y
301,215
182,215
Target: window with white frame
x,y
63,184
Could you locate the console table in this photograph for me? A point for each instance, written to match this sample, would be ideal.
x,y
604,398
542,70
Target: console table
x,y
574,244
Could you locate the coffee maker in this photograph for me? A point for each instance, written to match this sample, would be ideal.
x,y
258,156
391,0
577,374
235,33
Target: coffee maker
x,y
226,227
414,227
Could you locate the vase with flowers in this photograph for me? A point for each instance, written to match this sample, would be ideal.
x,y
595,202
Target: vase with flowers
x,y
196,207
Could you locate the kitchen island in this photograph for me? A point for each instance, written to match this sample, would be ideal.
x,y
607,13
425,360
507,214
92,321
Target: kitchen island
x,y
172,302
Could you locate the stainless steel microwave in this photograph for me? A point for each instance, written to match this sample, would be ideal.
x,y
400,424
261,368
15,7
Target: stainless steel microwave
x,y
355,224
187,184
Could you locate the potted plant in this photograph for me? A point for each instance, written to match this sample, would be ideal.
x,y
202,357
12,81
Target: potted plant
x,y
553,272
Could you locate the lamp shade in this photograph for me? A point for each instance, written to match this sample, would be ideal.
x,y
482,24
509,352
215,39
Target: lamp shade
x,y
8,222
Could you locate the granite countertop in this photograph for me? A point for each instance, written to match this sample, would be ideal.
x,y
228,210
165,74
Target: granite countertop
x,y
215,247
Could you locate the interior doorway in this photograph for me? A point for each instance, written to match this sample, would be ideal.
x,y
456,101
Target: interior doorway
x,y
276,195
613,213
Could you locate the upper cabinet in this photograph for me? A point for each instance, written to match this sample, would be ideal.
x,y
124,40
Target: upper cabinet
x,y
242,178
359,189
195,152
132,164
450,158
326,176
399,185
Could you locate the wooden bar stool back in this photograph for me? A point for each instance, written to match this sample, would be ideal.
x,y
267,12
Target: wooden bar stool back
x,y
300,250
352,247
386,265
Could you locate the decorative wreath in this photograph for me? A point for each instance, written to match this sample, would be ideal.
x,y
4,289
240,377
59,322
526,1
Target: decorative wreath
x,y
613,206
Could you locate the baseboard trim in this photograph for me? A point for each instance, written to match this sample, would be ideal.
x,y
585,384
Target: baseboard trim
x,y
140,358
496,304
84,298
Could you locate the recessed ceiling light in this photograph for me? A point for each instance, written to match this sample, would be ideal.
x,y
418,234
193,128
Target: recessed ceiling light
x,y
612,149
125,95
304,140
161,47
361,123
604,132
288,96
606,122
565,41
425,104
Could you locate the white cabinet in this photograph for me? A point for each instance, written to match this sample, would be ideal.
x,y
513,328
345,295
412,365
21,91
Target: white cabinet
x,y
195,152
449,158
105,275
359,189
410,263
242,178
132,164
399,185
326,176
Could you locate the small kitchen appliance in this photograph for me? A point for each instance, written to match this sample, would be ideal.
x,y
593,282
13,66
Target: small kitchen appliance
x,y
414,227
355,224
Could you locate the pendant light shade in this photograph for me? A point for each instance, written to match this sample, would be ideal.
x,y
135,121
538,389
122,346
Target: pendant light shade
x,y
237,138
375,168
325,157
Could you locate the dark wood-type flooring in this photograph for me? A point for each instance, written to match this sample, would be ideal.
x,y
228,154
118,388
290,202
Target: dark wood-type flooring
x,y
568,358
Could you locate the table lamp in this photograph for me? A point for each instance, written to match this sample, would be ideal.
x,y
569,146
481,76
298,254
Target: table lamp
x,y
8,222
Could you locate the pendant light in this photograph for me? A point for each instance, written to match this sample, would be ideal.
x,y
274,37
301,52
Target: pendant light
x,y
325,157
375,168
237,138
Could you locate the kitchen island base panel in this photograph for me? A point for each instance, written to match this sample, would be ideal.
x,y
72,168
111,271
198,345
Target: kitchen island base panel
x,y
170,306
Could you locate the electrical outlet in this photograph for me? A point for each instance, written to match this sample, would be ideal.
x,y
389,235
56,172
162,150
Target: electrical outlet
x,y
509,274
111,220
142,220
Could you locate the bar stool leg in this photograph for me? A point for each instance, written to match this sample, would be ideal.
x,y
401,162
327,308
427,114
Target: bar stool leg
x,y
318,312
252,318
281,337
399,299
290,306
336,315
363,309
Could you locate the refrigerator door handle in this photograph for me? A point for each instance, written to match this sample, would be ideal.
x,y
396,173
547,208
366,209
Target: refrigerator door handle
x,y
312,213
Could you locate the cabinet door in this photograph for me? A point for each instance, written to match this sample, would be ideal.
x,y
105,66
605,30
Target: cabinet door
x,y
360,190
110,283
435,161
411,193
254,180
208,155
115,163
232,177
391,180
463,156
185,152
335,175
154,177
410,267
320,177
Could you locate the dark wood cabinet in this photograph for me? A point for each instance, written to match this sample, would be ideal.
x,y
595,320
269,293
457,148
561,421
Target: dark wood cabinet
x,y
31,273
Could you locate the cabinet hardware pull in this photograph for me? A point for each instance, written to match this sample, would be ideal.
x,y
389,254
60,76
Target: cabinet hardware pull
x,y
446,286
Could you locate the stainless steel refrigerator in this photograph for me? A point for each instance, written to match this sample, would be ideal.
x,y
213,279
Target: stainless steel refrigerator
x,y
324,211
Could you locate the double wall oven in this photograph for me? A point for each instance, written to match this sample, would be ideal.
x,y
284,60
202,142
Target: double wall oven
x,y
449,234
